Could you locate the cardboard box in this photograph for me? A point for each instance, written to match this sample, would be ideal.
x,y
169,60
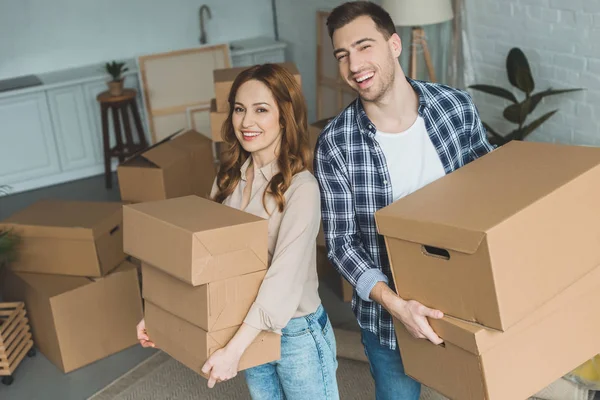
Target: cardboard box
x,y
217,119
212,307
224,78
68,237
477,363
494,240
76,321
179,165
196,240
192,346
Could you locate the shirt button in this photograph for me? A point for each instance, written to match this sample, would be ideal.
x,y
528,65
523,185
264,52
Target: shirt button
x,y
370,126
385,182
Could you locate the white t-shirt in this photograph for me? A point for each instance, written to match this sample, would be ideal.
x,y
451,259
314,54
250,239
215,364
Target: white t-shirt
x,y
411,158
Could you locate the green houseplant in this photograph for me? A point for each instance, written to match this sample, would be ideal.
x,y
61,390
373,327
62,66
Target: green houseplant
x,y
116,71
519,76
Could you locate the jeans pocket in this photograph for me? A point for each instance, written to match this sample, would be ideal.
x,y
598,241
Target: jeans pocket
x,y
329,337
295,333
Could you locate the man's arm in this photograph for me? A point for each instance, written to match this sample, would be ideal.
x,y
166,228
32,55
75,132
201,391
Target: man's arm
x,y
347,253
345,248
479,144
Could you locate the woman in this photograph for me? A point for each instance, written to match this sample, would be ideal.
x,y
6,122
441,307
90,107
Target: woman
x,y
265,171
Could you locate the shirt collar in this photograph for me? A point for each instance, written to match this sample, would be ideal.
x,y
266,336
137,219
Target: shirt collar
x,y
364,123
267,171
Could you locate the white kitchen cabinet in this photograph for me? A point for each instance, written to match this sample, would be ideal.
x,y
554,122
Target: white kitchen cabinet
x,y
52,133
27,145
72,126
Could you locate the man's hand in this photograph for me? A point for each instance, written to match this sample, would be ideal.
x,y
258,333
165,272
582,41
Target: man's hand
x,y
411,313
142,335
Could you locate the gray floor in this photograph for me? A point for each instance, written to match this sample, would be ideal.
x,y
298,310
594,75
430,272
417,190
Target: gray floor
x,y
36,378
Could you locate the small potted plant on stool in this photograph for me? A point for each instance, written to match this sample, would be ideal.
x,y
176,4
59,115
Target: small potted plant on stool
x,y
116,71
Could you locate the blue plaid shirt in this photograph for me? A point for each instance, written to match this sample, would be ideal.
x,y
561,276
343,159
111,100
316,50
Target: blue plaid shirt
x,y
354,180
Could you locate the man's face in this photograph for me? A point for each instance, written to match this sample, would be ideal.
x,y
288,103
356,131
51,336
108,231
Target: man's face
x,y
366,59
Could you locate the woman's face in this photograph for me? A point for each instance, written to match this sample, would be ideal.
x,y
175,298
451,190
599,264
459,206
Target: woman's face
x,y
255,119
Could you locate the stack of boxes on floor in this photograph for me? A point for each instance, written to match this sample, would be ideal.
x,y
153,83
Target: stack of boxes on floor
x,y
202,266
82,296
508,247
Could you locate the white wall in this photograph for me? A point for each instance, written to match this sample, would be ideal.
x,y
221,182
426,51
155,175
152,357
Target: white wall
x,y
561,39
38,36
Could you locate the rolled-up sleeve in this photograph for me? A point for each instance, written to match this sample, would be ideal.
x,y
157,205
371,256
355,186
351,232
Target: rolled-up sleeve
x,y
282,288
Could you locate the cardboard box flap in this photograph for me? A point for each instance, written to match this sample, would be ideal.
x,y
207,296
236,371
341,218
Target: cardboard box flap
x,y
164,155
68,219
194,214
428,234
229,74
191,140
493,188
52,285
139,154
478,339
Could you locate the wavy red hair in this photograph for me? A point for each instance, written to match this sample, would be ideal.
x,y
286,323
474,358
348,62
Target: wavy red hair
x,y
294,150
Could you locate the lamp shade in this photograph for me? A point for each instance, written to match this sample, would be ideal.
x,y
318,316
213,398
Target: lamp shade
x,y
418,12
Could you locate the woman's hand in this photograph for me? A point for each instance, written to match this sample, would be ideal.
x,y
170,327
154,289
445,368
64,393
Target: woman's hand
x,y
222,365
142,335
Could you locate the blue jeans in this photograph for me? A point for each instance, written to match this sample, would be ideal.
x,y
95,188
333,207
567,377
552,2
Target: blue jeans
x,y
388,371
307,367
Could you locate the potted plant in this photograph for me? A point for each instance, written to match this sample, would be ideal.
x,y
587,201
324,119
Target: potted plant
x,y
116,71
519,76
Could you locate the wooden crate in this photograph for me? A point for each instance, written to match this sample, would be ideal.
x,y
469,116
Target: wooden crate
x,y
15,336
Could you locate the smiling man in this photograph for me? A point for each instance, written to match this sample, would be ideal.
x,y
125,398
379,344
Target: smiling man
x,y
396,137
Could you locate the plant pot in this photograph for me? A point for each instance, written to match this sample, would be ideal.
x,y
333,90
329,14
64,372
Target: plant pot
x,y
115,88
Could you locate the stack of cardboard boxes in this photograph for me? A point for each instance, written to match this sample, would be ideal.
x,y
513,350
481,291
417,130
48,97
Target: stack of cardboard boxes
x,y
82,297
508,247
202,266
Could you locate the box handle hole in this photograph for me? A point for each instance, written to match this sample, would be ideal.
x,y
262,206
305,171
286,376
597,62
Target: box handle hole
x,y
113,230
432,251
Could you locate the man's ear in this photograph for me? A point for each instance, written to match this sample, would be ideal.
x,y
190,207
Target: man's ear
x,y
395,44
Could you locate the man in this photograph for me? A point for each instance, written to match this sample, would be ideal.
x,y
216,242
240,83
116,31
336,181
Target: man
x,y
398,136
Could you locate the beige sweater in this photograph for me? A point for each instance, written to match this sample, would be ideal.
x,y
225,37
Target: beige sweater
x,y
289,289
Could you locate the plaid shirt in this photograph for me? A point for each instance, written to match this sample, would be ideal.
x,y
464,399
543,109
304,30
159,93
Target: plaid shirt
x,y
354,180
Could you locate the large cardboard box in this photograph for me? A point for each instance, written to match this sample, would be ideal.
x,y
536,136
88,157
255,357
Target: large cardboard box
x,y
76,321
476,363
196,240
68,237
179,165
212,307
192,346
494,240
224,78
217,119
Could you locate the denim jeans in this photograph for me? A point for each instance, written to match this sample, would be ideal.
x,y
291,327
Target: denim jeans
x,y
307,367
388,371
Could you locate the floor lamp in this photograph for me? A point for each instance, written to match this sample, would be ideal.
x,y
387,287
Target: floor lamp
x,y
416,14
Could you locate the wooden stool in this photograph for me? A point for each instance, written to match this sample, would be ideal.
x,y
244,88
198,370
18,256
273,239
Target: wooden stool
x,y
122,149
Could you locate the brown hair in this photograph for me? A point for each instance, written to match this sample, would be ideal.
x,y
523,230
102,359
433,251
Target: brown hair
x,y
294,151
348,12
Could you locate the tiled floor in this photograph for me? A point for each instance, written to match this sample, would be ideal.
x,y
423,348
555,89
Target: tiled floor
x,y
36,378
